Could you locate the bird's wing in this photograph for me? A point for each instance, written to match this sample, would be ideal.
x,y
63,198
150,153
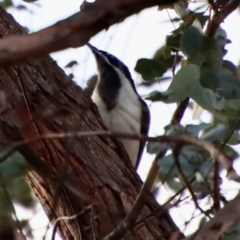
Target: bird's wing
x,y
145,121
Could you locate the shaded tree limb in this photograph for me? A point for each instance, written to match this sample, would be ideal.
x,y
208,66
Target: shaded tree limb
x,y
74,31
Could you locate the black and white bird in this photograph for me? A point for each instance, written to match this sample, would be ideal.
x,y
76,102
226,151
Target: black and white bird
x,y
119,105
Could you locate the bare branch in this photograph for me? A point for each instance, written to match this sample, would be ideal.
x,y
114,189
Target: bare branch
x,y
179,112
74,31
213,5
225,161
219,17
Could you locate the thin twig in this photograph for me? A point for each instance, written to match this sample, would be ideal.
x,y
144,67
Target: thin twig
x,y
216,189
67,218
185,180
185,139
159,210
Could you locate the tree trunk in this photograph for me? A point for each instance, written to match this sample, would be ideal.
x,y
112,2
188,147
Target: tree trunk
x,y
89,175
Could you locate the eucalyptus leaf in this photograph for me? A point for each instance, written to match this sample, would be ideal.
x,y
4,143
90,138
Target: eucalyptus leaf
x,y
230,66
208,78
191,42
213,58
229,85
216,133
30,1
21,193
206,98
181,83
152,68
157,96
195,129
14,166
234,139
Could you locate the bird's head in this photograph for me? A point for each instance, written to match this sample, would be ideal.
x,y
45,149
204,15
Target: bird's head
x,y
108,64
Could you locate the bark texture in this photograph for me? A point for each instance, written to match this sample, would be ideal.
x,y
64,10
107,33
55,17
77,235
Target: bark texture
x,y
72,174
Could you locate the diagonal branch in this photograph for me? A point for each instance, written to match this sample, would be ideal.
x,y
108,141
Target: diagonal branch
x,y
74,31
219,17
223,219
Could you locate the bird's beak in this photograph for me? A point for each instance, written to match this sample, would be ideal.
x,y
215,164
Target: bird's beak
x,y
92,48
101,64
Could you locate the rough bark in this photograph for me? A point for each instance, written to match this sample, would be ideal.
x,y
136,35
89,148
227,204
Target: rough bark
x,y
71,174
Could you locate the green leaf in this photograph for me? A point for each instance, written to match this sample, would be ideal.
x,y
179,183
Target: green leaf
x,y
216,133
232,103
213,58
152,68
157,96
167,52
208,100
6,3
234,139
30,1
208,78
191,159
195,129
191,42
231,112
21,193
14,166
229,85
173,41
230,66
230,152
181,83
195,45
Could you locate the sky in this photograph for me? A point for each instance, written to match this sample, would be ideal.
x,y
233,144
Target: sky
x,y
137,37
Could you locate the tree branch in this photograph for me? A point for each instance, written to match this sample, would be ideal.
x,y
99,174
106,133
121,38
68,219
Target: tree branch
x,y
219,17
225,161
223,219
74,31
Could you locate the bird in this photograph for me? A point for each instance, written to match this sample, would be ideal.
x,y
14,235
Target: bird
x,y
120,106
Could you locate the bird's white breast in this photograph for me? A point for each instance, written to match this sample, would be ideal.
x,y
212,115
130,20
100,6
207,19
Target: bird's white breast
x,y
125,117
